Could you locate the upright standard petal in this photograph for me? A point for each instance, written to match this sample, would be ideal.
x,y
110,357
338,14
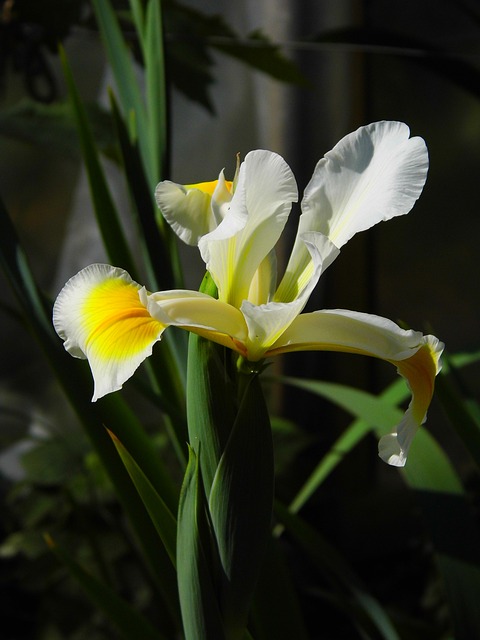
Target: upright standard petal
x,y
258,212
372,174
416,357
101,315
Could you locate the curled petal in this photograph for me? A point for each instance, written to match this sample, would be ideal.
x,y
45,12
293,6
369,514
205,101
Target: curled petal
x,y
193,210
101,315
372,174
416,357
419,371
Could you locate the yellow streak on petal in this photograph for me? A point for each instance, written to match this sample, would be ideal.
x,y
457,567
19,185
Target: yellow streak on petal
x,y
208,187
420,370
116,324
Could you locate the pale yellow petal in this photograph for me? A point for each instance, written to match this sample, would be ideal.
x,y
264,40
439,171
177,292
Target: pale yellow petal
x,y
201,314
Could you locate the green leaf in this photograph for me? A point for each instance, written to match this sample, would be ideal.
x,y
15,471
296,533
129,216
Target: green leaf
x,y
158,511
105,210
371,411
131,100
241,501
461,412
154,244
198,599
129,623
156,98
210,402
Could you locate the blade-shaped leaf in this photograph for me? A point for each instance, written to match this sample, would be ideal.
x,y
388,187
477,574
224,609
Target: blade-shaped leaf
x,y
105,210
158,511
241,501
198,598
126,81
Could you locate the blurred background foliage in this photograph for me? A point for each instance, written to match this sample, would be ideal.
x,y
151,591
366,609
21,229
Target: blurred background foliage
x,y
293,77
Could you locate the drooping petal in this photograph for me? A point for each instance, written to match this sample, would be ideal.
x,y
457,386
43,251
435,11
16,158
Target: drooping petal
x,y
419,371
372,174
196,209
201,314
258,212
100,316
416,357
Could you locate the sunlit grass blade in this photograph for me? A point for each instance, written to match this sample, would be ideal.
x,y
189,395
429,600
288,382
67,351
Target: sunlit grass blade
x,y
161,516
195,561
364,608
371,410
155,247
105,210
129,623
156,99
126,81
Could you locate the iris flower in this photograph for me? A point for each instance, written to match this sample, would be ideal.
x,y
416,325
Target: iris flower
x,y
372,174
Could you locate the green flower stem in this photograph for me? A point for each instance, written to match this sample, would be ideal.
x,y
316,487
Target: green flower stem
x,y
230,436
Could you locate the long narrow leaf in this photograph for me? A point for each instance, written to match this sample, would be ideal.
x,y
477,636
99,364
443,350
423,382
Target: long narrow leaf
x,y
126,81
198,598
105,210
156,98
158,511
241,501
156,251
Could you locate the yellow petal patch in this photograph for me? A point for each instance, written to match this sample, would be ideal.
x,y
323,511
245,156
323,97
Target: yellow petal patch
x,y
117,325
420,370
208,187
